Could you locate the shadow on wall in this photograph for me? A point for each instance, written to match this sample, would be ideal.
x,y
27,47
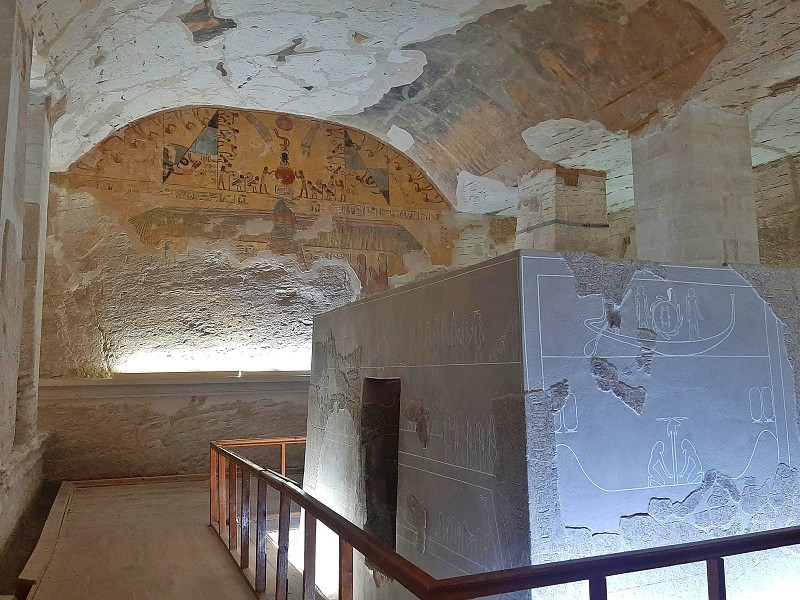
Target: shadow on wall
x,y
128,428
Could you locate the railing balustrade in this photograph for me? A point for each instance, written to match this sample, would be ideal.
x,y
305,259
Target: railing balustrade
x,y
227,467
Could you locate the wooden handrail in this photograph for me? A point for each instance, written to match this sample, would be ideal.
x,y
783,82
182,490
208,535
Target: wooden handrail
x,y
581,569
260,442
467,587
384,558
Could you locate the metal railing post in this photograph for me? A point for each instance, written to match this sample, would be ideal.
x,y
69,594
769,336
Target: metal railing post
x,y
244,511
598,590
715,572
309,557
261,538
282,572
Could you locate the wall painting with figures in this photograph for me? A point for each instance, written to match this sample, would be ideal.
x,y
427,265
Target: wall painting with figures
x,y
266,182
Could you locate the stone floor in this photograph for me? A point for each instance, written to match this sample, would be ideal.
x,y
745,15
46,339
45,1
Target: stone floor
x,y
142,540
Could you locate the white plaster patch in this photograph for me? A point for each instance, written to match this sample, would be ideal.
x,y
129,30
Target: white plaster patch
x,y
775,127
118,61
395,56
483,195
400,138
578,145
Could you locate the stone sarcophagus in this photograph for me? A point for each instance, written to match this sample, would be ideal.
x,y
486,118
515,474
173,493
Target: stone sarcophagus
x,y
544,407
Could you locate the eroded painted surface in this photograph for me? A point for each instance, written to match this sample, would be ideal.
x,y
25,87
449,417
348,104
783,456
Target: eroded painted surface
x,y
314,189
223,232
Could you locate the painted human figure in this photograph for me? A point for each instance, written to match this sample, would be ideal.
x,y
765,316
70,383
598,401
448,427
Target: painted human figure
x,y
692,471
642,309
657,472
264,173
341,194
361,269
303,186
318,189
330,189
380,278
693,314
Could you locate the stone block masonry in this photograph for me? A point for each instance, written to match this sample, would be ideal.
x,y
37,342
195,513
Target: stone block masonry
x,y
563,210
694,190
20,449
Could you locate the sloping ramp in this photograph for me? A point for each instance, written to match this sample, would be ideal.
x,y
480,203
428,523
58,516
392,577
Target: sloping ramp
x,y
133,539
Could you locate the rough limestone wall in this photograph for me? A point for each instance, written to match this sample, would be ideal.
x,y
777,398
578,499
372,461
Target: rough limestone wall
x,y
207,240
106,304
778,206
622,234
135,428
11,298
20,481
211,235
477,238
20,463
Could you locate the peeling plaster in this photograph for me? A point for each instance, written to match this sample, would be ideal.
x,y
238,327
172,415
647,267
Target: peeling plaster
x,y
303,60
593,275
204,24
113,62
578,145
400,138
484,195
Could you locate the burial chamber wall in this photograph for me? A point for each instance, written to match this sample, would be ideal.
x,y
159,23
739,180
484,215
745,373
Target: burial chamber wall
x,y
207,238
676,416
453,343
149,426
654,405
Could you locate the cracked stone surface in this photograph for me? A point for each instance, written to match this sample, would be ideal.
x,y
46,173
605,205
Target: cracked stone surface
x,y
560,455
208,239
462,79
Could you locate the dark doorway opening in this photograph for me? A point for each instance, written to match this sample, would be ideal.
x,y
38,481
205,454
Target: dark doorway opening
x,y
380,435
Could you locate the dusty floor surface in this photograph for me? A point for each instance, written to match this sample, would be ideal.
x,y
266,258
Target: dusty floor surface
x,y
141,541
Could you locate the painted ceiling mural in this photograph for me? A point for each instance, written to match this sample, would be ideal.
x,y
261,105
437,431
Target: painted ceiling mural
x,y
269,182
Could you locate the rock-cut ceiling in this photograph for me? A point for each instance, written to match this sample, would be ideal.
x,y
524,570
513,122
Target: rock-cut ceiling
x,y
454,83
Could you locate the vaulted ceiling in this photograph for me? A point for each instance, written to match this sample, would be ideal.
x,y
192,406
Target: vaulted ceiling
x,y
454,83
